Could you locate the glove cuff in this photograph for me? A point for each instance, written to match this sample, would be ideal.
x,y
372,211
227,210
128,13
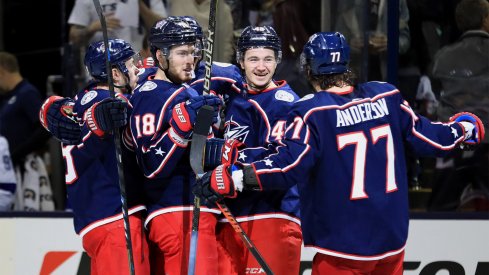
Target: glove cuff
x,y
222,182
92,122
43,112
181,117
176,138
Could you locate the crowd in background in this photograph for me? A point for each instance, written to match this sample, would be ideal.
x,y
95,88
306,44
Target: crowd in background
x,y
443,65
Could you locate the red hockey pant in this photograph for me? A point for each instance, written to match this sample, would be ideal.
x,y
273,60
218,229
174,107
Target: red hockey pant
x,y
106,246
278,241
326,264
170,236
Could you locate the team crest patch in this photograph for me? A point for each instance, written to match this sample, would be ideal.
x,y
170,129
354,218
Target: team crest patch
x,y
284,96
88,97
306,97
148,86
12,100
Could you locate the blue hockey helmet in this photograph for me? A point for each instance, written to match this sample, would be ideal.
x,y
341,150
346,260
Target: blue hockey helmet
x,y
326,53
119,52
197,28
169,32
194,25
259,37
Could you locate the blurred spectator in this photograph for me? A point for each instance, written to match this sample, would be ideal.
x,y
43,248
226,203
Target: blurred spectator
x,y
461,73
199,9
86,27
358,19
286,14
20,102
122,21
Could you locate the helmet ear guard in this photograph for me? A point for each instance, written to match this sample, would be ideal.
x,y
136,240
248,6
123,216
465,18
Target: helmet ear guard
x,y
325,53
258,37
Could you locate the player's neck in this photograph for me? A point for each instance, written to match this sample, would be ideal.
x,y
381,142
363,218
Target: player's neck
x,y
12,81
340,90
334,89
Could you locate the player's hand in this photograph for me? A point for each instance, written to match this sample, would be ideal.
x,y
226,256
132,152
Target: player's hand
x,y
56,116
185,113
216,185
111,22
474,128
106,115
219,151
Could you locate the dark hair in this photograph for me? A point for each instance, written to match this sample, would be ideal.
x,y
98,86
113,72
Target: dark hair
x,y
286,20
470,14
9,62
327,81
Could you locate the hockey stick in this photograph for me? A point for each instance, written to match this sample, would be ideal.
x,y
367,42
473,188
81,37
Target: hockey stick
x,y
117,140
202,124
197,151
238,229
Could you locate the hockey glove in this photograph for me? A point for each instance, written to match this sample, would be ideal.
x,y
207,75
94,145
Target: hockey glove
x,y
219,151
216,185
106,115
473,126
56,116
184,113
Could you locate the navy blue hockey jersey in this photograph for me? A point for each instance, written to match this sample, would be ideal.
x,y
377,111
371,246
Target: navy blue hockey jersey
x,y
257,120
346,152
161,153
91,174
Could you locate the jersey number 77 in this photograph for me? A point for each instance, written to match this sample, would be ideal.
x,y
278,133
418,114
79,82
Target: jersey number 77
x,y
360,141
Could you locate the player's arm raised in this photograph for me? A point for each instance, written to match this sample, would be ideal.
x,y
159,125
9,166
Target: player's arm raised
x,y
435,138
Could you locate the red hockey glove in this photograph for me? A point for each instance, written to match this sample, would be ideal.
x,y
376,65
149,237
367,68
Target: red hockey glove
x,y
216,185
219,151
185,113
473,126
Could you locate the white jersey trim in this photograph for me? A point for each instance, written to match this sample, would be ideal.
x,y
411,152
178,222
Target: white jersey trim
x,y
265,216
355,257
177,209
109,220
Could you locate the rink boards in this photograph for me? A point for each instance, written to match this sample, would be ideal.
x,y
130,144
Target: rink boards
x,y
48,245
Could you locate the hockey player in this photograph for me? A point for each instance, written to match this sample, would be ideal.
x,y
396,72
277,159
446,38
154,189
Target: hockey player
x,y
161,123
256,117
91,165
344,147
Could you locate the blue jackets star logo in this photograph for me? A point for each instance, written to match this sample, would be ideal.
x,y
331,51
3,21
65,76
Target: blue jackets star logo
x,y
454,132
159,151
242,156
268,162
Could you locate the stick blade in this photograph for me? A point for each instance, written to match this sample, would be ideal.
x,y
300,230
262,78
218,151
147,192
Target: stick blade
x,y
197,148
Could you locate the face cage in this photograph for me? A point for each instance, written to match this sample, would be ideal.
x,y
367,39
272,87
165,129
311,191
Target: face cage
x,y
137,61
197,52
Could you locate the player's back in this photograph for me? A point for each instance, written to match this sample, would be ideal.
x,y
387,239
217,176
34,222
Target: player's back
x,y
345,150
359,181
